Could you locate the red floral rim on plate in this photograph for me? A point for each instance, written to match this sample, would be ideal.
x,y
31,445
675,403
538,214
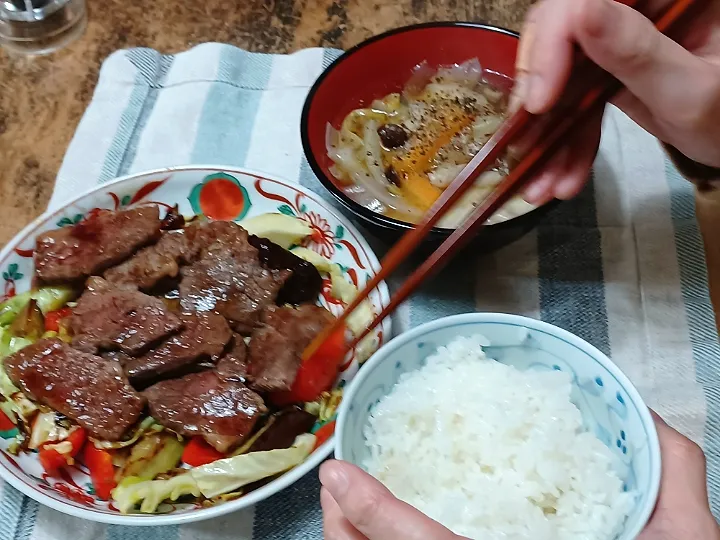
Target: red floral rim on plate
x,y
218,193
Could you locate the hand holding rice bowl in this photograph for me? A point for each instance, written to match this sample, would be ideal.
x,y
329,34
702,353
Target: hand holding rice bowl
x,y
552,432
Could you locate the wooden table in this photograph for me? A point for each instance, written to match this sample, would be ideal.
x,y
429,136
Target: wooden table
x,y
42,99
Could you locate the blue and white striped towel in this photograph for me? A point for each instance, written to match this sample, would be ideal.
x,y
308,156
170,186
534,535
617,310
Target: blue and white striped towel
x,y
622,265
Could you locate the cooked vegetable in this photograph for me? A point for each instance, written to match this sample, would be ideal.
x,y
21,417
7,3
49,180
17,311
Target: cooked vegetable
x,y
102,472
53,298
45,429
48,299
281,229
17,343
323,264
154,454
325,408
53,319
173,220
7,426
56,455
342,289
217,478
16,404
198,452
305,283
280,431
317,373
12,306
148,424
243,449
427,135
229,474
29,322
7,388
324,433
150,494
225,497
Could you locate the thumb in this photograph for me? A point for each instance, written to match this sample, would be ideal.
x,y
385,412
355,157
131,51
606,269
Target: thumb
x,y
684,481
373,510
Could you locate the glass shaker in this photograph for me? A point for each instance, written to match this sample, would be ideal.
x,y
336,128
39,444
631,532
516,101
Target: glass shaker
x,y
40,26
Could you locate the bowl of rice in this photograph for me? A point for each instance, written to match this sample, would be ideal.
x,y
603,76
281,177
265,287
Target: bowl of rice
x,y
500,426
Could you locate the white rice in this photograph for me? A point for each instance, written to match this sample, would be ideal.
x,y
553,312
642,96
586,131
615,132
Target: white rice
x,y
492,452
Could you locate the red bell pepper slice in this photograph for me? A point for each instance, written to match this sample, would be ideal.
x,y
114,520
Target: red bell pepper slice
x,y
53,455
317,373
198,452
5,423
102,470
52,319
323,434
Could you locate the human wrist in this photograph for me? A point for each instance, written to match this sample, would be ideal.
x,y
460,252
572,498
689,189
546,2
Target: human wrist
x,y
705,177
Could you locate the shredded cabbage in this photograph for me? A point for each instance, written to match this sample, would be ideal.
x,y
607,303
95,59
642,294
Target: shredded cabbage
x,y
156,453
217,478
17,403
151,493
148,424
325,408
53,298
7,388
12,306
228,474
48,299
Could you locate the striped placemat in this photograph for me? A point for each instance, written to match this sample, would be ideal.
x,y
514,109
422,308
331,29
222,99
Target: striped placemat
x,y
622,265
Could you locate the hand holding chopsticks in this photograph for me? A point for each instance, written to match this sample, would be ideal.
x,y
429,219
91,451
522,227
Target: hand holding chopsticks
x,y
587,92
671,87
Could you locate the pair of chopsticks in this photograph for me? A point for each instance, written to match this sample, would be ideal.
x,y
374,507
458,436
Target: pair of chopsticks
x,y
587,93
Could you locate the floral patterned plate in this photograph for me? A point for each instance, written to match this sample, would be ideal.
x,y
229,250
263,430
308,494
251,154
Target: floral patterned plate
x,y
218,193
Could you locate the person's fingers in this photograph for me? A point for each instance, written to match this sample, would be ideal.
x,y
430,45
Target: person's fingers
x,y
623,42
373,510
541,189
684,470
522,61
567,173
550,58
581,154
335,526
652,66
683,510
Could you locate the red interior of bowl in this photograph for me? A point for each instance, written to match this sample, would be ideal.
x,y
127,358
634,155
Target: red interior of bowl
x,y
380,67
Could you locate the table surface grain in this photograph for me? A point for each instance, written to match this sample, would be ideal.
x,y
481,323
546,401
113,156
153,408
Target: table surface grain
x,y
43,98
